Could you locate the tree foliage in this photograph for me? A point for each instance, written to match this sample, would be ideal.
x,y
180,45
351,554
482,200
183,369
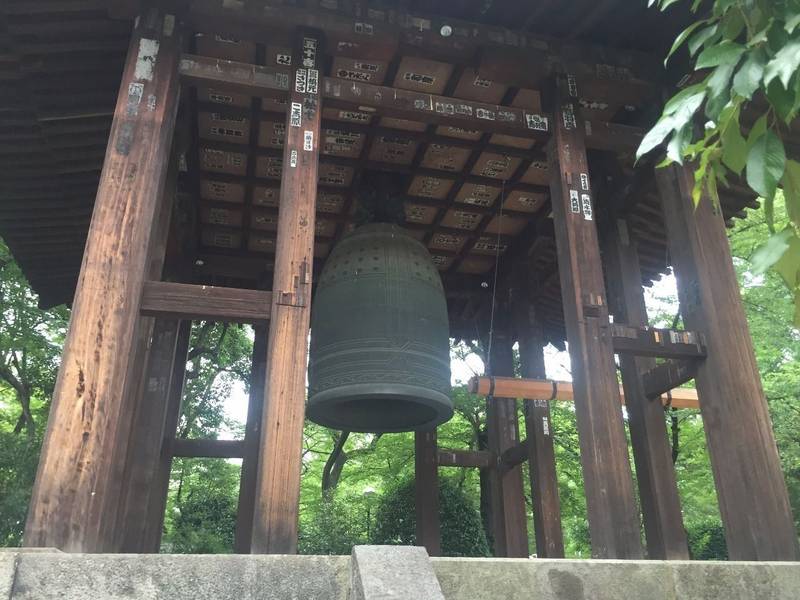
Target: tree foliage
x,y
732,118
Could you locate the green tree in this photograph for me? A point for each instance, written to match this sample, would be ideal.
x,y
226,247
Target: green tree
x,y
461,528
732,118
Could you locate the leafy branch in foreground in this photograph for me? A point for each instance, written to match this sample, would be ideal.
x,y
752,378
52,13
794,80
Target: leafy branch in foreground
x,y
745,88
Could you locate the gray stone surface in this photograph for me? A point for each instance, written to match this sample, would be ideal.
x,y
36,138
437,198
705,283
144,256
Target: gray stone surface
x,y
7,568
153,577
736,580
518,579
393,572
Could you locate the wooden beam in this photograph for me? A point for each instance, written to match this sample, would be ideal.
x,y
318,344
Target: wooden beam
x,y
278,488
478,459
664,343
199,302
144,450
404,104
652,453
612,510
252,442
539,448
538,389
668,375
157,500
515,455
189,448
753,500
509,516
76,495
426,491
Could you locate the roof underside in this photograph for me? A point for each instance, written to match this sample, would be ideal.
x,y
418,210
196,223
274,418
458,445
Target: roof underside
x,y
472,196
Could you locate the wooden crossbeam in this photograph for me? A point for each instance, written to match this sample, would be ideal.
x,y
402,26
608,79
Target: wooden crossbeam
x,y
516,455
664,343
186,301
480,459
667,376
208,448
541,389
393,102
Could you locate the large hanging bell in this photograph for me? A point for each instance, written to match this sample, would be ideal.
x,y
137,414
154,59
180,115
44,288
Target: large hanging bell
x,y
380,347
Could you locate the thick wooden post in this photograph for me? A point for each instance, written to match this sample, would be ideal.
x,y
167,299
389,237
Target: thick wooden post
x,y
652,454
538,428
147,433
278,488
252,443
157,499
752,494
76,497
426,491
613,514
509,518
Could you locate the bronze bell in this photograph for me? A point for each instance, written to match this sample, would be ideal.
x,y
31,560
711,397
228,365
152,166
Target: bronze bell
x,y
380,346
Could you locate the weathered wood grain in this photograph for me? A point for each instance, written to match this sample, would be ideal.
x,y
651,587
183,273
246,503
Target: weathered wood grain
x,y
426,491
198,302
75,498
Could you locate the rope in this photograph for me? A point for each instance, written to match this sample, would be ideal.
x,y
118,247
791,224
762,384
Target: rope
x,y
494,282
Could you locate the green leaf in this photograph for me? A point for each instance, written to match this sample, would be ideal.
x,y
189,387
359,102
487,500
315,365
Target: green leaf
x,y
781,100
724,53
732,24
688,100
682,38
677,113
788,265
791,191
771,251
748,77
656,135
784,64
678,143
792,22
766,162
769,213
700,38
758,129
734,148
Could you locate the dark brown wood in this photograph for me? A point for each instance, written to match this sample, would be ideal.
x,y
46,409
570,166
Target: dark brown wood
x,y
539,431
198,302
664,343
752,495
189,448
426,491
252,443
652,453
147,433
278,488
76,497
157,500
668,375
612,510
515,455
509,518
479,459
399,103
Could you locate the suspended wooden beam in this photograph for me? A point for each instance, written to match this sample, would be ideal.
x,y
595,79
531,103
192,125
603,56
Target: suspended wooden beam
x,y
542,389
186,448
187,301
393,102
664,343
479,459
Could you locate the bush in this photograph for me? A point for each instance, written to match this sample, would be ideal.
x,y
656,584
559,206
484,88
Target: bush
x,y
205,525
461,527
707,541
333,528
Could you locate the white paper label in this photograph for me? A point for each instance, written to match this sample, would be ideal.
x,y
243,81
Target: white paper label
x,y
308,141
586,201
296,115
293,159
574,202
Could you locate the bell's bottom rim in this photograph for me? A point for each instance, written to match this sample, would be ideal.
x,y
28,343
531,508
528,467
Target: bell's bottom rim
x,y
321,405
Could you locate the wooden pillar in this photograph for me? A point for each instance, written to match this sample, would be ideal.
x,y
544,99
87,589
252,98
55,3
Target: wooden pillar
x,y
509,518
147,434
76,496
539,428
157,499
278,487
426,491
652,454
252,443
752,494
613,514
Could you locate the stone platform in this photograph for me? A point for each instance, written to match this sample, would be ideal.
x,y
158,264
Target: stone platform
x,y
382,573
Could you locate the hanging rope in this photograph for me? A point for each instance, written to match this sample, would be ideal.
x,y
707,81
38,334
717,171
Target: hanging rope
x,y
494,282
